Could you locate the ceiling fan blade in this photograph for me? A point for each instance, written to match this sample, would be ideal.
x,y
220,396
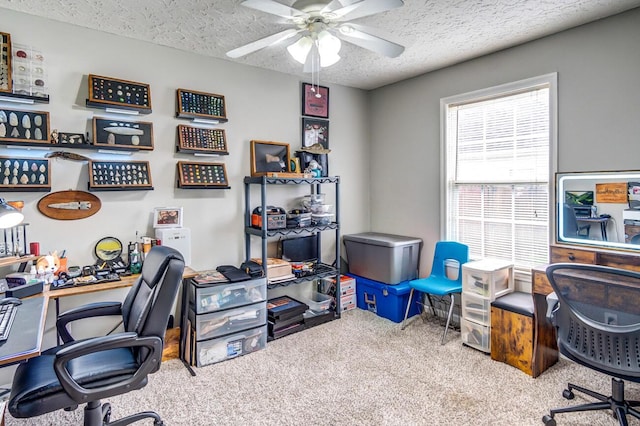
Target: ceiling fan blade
x,y
262,43
364,37
335,5
274,8
366,8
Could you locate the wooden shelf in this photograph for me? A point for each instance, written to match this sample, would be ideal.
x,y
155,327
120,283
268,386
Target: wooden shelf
x,y
14,260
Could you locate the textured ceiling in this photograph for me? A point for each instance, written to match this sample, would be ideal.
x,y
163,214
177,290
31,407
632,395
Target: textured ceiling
x,y
436,33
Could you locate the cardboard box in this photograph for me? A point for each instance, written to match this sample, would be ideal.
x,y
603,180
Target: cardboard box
x,y
276,267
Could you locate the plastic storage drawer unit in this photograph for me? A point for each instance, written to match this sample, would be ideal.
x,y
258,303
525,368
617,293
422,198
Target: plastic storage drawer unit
x,y
231,346
487,278
387,301
228,321
386,258
212,297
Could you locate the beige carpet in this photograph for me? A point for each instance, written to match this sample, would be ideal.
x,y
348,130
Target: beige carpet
x,y
359,370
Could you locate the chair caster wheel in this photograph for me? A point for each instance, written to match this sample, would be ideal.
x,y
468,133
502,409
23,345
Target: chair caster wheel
x,y
568,394
548,420
106,413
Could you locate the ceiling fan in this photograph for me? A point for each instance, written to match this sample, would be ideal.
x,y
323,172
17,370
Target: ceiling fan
x,y
320,25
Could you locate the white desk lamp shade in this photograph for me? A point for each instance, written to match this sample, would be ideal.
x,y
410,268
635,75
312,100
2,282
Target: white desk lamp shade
x,y
9,216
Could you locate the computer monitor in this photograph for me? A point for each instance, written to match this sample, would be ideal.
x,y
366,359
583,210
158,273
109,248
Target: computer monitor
x,y
578,198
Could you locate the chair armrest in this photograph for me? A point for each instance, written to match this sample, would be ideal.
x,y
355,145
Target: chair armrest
x,y
122,340
99,309
552,306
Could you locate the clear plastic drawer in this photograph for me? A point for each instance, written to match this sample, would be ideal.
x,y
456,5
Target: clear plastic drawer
x,y
231,346
476,308
476,335
215,297
229,321
488,278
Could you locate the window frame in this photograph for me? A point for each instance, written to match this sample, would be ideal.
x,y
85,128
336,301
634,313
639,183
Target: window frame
x,y
550,80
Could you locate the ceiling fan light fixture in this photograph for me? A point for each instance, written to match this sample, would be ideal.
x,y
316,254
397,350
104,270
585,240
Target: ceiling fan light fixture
x,y
328,48
300,49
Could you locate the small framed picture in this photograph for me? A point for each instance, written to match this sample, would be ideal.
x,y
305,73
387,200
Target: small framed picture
x,y
71,139
269,157
315,100
315,131
167,217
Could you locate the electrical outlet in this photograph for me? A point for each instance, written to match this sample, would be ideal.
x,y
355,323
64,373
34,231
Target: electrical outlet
x,y
610,318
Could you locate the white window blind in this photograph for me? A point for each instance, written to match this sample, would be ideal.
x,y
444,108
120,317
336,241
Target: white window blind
x,y
497,176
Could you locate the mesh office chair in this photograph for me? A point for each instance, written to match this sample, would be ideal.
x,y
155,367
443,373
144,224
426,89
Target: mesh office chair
x,y
570,225
438,283
597,317
88,370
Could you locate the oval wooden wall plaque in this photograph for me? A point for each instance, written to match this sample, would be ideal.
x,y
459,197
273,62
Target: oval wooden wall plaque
x,y
69,205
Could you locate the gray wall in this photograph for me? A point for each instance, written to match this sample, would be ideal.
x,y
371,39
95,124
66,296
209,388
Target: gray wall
x,y
598,106
261,105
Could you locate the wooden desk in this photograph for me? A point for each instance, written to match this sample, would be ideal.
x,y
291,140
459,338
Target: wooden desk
x,y
127,281
545,348
25,338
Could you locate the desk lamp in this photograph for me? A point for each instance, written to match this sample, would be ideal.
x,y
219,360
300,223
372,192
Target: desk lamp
x,y
9,215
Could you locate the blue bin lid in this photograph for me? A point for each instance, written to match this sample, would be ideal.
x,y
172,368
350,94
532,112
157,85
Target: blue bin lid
x,y
380,239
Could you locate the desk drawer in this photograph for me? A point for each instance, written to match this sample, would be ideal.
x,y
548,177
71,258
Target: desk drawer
x,y
217,297
541,284
564,255
229,321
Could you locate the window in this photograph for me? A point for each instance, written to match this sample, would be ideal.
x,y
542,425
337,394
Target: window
x,y
499,154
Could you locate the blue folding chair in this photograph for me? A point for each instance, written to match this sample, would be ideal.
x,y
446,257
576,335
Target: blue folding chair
x,y
438,284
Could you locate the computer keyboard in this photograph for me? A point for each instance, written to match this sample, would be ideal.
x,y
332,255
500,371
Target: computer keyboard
x,y
7,314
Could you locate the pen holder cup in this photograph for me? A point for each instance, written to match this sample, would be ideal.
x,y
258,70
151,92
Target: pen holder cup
x,y
63,265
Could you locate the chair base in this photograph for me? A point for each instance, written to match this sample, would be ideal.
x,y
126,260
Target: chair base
x,y
97,414
433,310
616,403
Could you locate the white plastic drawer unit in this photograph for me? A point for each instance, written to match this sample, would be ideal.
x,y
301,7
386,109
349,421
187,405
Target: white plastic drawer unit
x,y
476,335
487,278
232,320
476,308
215,297
230,346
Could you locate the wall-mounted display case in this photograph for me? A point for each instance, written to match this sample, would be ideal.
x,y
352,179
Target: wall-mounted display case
x,y
122,135
107,92
196,140
202,175
19,127
119,175
25,174
200,105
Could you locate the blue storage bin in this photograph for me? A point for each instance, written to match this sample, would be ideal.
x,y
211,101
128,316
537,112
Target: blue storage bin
x,y
386,300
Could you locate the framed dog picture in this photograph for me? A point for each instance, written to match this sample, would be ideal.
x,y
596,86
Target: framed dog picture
x,y
167,217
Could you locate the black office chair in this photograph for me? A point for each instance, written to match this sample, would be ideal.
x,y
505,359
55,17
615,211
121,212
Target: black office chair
x,y
570,225
597,317
88,370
